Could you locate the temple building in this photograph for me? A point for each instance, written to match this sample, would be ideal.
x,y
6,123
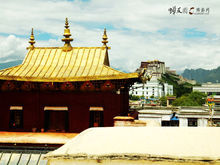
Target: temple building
x,y
63,89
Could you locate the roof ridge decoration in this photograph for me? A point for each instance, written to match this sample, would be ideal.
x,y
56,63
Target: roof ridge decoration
x,y
105,38
67,46
31,41
65,64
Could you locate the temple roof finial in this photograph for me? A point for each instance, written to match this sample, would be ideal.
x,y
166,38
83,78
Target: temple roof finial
x,y
31,41
105,38
67,46
66,24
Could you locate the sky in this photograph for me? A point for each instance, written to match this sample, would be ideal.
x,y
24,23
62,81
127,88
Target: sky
x,y
138,30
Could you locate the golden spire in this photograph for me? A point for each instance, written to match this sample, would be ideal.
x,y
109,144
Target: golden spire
x,y
104,37
67,46
32,41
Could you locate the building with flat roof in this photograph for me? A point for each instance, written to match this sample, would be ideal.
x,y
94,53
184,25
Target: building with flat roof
x,y
211,89
208,88
152,88
180,116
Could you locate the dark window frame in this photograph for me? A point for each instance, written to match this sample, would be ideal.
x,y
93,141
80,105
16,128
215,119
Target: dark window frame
x,y
192,122
16,119
47,119
96,119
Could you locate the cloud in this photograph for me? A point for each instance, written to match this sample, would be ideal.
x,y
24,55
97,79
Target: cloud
x,y
11,48
128,51
138,30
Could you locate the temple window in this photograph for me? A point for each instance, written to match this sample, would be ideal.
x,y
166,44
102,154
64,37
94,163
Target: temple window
x,y
16,117
56,118
96,117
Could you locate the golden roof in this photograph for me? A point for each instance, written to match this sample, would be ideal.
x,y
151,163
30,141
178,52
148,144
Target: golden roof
x,y
56,65
67,63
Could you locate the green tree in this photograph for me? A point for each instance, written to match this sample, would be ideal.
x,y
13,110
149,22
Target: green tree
x,y
163,101
133,97
192,99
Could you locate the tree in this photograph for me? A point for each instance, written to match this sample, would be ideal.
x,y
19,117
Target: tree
x,y
133,97
163,101
192,99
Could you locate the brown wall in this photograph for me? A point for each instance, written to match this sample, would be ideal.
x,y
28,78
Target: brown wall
x,y
78,104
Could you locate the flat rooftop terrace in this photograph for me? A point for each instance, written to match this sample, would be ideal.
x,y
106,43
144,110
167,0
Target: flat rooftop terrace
x,y
35,138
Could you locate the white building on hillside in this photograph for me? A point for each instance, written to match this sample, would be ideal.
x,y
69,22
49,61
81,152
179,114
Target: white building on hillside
x,y
151,88
155,68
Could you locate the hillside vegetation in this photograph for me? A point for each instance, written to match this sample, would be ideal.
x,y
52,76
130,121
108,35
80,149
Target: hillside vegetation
x,y
192,99
179,88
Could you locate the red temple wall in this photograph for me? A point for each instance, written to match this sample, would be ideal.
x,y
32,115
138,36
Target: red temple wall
x,y
78,104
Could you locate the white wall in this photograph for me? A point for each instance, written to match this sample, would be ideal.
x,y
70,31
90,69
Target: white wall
x,y
183,122
151,88
202,122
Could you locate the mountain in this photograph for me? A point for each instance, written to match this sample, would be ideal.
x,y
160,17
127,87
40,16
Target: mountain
x,y
202,75
10,64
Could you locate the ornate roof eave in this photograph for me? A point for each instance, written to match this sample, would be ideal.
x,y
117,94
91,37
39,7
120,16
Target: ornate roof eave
x,y
74,79
65,64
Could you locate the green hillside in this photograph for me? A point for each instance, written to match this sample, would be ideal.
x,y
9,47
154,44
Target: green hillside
x,y
179,88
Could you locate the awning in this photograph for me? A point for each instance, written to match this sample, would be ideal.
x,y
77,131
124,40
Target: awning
x,y
55,108
96,109
16,108
175,118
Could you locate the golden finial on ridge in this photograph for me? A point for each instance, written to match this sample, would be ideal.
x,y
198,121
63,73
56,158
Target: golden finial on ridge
x,y
31,41
66,24
67,46
105,38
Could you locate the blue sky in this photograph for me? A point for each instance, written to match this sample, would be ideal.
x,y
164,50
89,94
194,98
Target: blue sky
x,y
138,30
193,33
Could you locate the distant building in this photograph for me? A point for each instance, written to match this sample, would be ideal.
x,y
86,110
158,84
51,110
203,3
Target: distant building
x,y
151,88
208,88
168,70
186,116
193,82
155,68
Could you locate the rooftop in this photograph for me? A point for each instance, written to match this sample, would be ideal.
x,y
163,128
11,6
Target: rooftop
x,y
35,138
144,143
66,63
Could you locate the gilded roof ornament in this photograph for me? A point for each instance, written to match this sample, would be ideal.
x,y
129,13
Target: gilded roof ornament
x,y
105,38
67,46
32,41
